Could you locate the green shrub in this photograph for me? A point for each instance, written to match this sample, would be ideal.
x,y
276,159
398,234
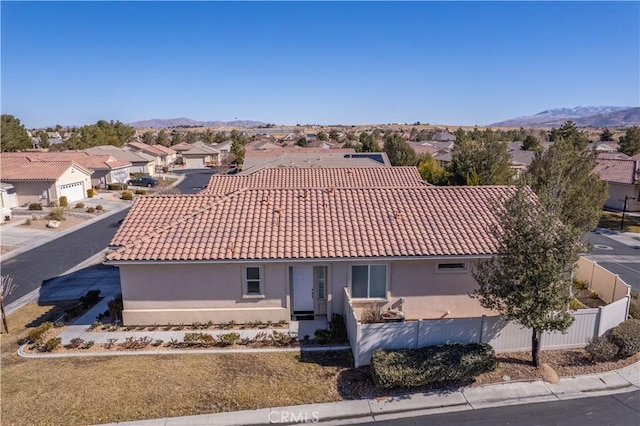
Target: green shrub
x,y
634,305
626,336
37,333
601,349
76,343
57,214
338,329
417,367
64,202
51,345
127,195
228,339
116,306
79,205
27,222
593,295
87,344
132,343
91,193
35,206
99,207
580,285
282,339
117,186
322,336
140,192
199,339
574,305
165,169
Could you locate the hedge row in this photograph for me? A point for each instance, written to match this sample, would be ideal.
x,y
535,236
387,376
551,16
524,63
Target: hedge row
x,y
417,367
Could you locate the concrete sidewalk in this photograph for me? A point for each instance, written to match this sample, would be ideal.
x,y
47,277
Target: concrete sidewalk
x,y
420,404
631,239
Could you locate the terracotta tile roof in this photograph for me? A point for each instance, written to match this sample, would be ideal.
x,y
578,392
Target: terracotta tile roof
x,y
263,224
183,146
617,171
348,177
22,168
164,149
151,212
276,152
149,149
615,156
87,160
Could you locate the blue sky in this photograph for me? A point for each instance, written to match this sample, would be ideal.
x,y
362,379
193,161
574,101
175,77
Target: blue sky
x,y
461,63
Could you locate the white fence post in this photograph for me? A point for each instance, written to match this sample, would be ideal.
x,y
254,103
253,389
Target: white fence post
x,y
599,322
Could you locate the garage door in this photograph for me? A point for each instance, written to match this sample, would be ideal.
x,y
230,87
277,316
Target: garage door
x,y
194,162
73,191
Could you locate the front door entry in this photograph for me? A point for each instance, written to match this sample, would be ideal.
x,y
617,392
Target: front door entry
x,y
302,289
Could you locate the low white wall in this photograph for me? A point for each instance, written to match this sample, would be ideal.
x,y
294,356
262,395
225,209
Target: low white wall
x,y
503,336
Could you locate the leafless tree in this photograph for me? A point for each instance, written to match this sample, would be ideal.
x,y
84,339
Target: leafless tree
x,y
6,287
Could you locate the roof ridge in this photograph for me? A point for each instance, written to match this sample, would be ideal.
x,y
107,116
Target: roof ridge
x,y
164,228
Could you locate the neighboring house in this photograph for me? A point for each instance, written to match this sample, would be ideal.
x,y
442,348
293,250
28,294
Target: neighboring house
x,y
140,162
224,148
171,154
615,156
163,156
444,137
311,157
200,155
604,146
271,254
43,181
520,159
622,177
8,200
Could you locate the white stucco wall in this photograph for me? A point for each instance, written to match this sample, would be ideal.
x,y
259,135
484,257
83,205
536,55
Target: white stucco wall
x,y
617,191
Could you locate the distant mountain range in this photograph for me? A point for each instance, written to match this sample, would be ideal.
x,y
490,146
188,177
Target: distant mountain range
x,y
589,116
158,123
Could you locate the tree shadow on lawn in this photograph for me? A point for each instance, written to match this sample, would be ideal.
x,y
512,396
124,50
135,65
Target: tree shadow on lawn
x,y
59,308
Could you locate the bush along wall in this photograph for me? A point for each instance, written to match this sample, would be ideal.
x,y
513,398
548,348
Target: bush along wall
x,y
401,368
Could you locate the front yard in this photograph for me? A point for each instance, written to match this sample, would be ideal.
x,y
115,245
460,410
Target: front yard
x,y
612,220
90,390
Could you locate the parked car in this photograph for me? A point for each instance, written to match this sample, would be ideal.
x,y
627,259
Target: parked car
x,y
143,181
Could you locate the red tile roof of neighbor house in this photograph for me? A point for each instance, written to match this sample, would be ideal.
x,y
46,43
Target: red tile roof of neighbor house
x,y
22,168
85,159
347,177
146,148
166,150
617,171
264,224
276,152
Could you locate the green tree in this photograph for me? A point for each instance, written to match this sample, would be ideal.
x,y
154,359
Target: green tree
x,y
399,151
44,139
13,135
223,136
323,136
239,137
302,141
606,135
431,171
334,135
531,143
529,279
351,136
564,181
149,138
190,137
368,143
479,157
163,138
101,133
630,142
176,138
238,151
569,132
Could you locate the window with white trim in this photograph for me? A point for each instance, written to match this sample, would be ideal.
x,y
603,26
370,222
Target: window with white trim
x,y
321,280
369,281
253,280
452,267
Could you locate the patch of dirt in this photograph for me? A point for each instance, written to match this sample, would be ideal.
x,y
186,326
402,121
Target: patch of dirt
x,y
6,249
588,298
41,224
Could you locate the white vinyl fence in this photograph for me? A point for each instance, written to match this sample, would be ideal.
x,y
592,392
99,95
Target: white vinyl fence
x,y
503,336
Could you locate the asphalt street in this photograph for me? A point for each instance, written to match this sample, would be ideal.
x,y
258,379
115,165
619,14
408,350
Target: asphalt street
x,y
618,409
618,258
30,269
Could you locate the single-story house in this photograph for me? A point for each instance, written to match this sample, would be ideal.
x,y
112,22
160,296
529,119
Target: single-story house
x,y
172,155
164,157
624,181
200,155
104,169
140,161
40,181
8,200
288,253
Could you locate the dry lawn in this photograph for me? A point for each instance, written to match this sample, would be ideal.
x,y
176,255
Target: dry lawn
x,y
97,390
611,220
6,249
109,389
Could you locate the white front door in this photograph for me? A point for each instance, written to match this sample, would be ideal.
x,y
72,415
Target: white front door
x,y
302,288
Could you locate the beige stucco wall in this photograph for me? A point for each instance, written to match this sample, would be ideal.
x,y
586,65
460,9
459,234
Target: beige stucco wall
x,y
31,192
184,293
617,191
72,175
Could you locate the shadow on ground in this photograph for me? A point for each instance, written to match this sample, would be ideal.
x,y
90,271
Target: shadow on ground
x,y
74,285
